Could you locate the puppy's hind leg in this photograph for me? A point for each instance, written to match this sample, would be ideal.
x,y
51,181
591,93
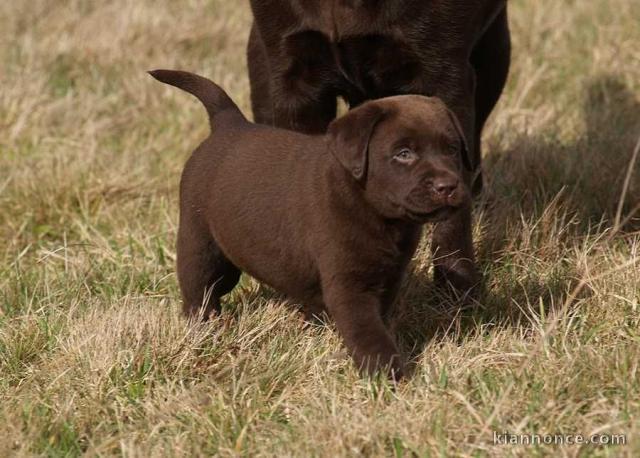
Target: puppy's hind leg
x,y
204,274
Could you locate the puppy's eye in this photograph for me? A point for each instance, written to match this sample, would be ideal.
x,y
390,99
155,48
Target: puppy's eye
x,y
451,149
405,156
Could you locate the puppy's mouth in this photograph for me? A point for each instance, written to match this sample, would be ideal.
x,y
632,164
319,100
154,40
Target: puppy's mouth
x,y
431,216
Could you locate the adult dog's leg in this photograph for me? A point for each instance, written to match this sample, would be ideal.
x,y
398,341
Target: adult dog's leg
x,y
453,257
490,59
293,87
307,116
452,243
259,79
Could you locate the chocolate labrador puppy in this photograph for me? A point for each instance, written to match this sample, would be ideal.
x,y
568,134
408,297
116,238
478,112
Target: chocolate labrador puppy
x,y
303,54
330,220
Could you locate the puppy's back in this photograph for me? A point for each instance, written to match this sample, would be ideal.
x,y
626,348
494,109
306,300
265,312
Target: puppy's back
x,y
248,186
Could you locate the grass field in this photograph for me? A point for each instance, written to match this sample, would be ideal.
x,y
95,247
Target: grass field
x,y
95,359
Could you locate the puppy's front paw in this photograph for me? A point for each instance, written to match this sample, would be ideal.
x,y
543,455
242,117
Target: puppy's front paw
x,y
391,365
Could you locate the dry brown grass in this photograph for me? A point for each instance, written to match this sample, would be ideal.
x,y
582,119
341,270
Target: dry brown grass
x,y
95,360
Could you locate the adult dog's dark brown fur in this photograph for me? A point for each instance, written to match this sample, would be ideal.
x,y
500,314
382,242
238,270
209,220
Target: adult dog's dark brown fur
x,y
303,54
330,220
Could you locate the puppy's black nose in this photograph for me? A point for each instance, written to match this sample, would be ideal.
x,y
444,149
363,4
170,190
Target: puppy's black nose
x,y
445,186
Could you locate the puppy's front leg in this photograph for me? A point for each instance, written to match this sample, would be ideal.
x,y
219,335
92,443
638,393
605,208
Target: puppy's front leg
x,y
359,321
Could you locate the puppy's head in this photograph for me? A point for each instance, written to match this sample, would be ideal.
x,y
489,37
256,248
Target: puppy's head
x,y
408,154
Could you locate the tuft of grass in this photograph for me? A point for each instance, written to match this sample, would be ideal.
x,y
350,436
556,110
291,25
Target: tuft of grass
x,y
95,359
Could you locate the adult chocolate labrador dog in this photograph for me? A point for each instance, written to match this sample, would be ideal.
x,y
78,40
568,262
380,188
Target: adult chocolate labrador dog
x,y
303,54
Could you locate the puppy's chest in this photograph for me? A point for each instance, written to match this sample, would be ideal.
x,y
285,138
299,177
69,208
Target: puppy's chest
x,y
387,256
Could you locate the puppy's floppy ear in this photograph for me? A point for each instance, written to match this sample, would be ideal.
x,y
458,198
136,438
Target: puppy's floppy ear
x,y
466,157
349,137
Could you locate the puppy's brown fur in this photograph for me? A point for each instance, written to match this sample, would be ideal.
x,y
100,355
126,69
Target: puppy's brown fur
x,y
303,54
330,220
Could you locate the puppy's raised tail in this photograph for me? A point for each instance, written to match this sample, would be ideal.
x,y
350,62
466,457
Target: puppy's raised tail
x,y
212,96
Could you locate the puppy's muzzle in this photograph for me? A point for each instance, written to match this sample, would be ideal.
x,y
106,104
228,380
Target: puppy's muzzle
x,y
444,188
